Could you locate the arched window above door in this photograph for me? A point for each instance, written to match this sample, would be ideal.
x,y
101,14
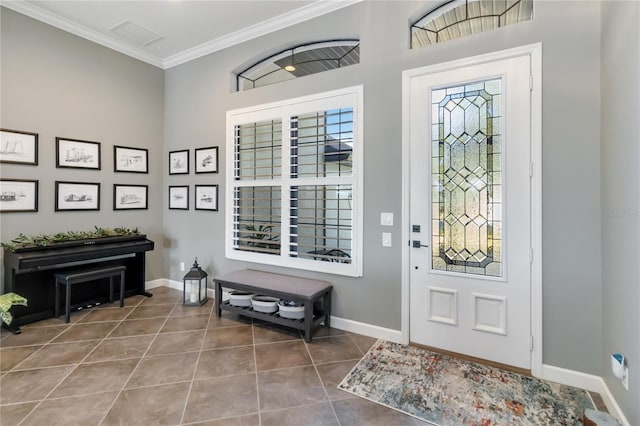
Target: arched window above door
x,y
299,61
459,18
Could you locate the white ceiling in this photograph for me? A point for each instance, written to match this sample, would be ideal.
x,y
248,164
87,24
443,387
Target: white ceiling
x,y
166,33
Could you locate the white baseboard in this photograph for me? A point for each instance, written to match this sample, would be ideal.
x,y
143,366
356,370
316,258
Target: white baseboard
x,y
366,329
588,382
176,285
160,282
576,379
612,405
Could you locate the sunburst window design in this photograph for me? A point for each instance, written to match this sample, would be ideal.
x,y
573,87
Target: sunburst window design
x,y
299,61
459,18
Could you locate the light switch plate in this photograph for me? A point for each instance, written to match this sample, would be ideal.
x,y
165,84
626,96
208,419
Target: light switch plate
x,y
386,239
386,219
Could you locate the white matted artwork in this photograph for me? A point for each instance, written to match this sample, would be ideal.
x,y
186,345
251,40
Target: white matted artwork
x,y
130,197
179,162
134,160
18,195
207,197
77,154
207,160
18,147
77,196
179,197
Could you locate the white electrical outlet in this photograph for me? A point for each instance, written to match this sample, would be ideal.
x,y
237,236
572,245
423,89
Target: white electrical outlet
x,y
182,266
386,219
625,379
386,239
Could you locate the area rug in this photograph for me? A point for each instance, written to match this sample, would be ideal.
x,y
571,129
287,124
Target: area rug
x,y
443,390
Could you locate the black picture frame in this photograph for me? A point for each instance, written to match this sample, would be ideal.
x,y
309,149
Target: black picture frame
x,y
179,197
179,162
130,197
18,195
77,196
18,147
206,197
206,159
77,154
130,160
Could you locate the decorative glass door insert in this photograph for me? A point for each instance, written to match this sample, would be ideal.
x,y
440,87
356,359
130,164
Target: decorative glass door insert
x,y
466,179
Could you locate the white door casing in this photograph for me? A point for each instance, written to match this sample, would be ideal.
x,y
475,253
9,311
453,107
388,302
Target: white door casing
x,y
489,317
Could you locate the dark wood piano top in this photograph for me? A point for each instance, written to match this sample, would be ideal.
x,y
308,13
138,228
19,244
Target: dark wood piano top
x,y
43,257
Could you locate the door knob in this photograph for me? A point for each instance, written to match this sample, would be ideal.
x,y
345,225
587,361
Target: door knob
x,y
416,244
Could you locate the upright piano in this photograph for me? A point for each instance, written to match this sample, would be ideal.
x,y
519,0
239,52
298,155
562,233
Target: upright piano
x,y
30,272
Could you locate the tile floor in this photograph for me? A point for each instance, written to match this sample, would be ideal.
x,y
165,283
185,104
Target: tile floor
x,y
156,362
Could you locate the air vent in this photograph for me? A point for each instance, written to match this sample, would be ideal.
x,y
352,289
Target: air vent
x,y
135,33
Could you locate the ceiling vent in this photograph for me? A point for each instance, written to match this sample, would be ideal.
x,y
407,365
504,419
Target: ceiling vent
x,y
135,33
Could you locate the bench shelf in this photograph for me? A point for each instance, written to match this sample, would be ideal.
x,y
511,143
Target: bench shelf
x,y
314,294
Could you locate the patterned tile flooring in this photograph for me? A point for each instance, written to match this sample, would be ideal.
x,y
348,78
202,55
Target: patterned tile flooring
x,y
155,362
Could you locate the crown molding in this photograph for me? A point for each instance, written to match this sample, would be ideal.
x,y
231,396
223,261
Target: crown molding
x,y
80,30
313,10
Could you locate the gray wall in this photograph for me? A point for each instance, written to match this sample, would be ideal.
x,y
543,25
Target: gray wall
x,y
56,84
197,95
621,198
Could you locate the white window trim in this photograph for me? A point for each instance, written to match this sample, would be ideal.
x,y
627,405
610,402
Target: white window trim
x,y
350,97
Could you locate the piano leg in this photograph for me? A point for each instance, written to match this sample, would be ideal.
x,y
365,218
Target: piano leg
x,y
12,328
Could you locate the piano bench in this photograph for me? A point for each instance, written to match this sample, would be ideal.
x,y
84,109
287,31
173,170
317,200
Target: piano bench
x,y
70,278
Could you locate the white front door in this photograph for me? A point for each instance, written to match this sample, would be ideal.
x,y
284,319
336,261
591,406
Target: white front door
x,y
470,211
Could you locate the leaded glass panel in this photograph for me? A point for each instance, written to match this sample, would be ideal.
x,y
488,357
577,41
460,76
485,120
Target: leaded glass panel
x,y
466,172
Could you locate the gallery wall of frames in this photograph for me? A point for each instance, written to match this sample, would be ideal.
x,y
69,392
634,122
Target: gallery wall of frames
x,y
21,195
205,197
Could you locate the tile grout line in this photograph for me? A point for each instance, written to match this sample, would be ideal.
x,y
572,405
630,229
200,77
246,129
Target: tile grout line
x,y
255,366
195,369
324,388
74,366
39,403
107,411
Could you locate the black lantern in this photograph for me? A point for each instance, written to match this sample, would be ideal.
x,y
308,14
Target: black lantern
x,y
195,286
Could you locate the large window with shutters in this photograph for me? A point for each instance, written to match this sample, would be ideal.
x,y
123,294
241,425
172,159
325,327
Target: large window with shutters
x,y
295,184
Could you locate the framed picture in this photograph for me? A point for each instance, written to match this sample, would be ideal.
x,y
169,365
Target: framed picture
x,y
134,160
130,197
179,162
18,147
77,196
207,197
207,160
179,197
77,154
18,195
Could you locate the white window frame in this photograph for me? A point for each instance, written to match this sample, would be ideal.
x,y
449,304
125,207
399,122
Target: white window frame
x,y
351,97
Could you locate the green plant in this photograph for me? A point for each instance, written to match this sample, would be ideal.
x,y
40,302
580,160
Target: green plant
x,y
42,240
260,235
8,300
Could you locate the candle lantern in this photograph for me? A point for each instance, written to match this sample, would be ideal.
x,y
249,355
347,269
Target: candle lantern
x,y
195,286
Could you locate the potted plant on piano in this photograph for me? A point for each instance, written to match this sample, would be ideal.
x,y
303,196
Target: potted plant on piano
x,y
7,301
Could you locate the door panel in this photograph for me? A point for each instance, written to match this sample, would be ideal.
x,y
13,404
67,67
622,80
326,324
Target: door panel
x,y
470,194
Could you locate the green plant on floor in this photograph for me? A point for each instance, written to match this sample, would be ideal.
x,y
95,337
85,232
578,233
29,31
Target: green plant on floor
x,y
41,240
8,300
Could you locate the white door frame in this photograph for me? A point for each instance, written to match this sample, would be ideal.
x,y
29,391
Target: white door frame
x,y
535,52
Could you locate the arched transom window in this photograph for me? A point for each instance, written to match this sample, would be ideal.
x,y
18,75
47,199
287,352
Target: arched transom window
x,y
305,59
459,18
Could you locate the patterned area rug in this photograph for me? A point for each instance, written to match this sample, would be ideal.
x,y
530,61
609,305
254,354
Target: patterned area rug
x,y
444,390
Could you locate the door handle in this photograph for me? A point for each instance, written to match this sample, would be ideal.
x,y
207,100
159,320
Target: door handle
x,y
416,244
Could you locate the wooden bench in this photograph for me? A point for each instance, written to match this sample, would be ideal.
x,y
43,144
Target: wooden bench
x,y
71,278
314,294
